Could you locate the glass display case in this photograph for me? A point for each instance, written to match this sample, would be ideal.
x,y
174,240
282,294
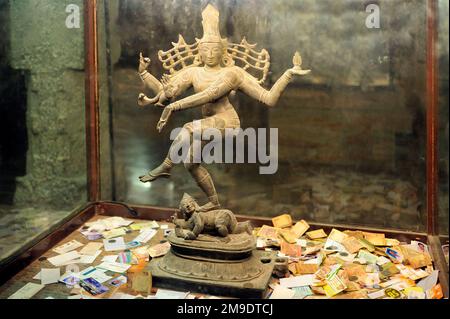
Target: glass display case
x,y
43,172
360,143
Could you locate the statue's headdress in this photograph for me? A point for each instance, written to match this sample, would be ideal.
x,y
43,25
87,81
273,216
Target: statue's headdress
x,y
211,30
244,55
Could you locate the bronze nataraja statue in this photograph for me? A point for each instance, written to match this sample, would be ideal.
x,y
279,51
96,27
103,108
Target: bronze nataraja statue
x,y
211,252
215,69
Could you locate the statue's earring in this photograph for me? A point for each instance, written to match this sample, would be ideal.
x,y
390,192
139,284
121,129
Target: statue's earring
x,y
198,60
227,60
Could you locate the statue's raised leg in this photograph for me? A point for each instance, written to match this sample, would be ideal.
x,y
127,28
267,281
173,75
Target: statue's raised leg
x,y
162,171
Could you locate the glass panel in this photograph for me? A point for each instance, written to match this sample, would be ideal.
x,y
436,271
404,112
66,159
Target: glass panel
x,y
351,135
42,138
443,123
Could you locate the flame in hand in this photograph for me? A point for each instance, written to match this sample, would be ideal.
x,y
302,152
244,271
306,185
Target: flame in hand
x,y
297,60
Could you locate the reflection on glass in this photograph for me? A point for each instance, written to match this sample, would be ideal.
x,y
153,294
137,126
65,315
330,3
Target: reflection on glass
x,y
351,135
42,148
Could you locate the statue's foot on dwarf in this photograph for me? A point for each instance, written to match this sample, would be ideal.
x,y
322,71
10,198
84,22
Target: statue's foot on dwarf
x,y
162,171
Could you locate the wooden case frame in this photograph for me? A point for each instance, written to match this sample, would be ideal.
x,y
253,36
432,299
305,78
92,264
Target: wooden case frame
x,y
95,206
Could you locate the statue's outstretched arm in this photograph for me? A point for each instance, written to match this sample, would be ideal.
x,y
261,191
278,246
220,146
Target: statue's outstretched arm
x,y
168,88
252,88
149,80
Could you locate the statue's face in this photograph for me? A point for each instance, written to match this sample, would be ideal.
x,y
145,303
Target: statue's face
x,y
211,53
188,206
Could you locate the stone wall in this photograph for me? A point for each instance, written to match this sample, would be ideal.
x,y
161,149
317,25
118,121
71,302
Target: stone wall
x,y
52,57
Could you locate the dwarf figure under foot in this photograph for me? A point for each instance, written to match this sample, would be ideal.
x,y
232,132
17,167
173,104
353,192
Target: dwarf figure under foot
x,y
219,222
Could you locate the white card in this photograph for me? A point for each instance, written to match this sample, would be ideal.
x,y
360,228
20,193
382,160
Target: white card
x,y
382,260
314,261
170,294
331,245
108,223
114,244
86,273
114,267
260,243
298,281
64,258
301,242
91,248
83,259
89,259
282,293
38,276
100,276
146,235
97,274
65,248
27,291
164,226
49,276
111,258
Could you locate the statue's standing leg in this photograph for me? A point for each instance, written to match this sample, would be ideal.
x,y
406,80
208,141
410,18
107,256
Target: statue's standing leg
x,y
198,172
205,182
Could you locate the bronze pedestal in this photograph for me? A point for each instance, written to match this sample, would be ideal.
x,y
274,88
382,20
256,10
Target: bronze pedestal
x,y
228,266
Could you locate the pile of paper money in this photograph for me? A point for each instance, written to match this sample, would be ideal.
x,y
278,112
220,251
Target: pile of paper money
x,y
347,264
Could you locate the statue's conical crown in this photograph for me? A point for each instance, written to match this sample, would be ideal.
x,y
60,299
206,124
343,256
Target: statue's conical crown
x,y
186,197
211,32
